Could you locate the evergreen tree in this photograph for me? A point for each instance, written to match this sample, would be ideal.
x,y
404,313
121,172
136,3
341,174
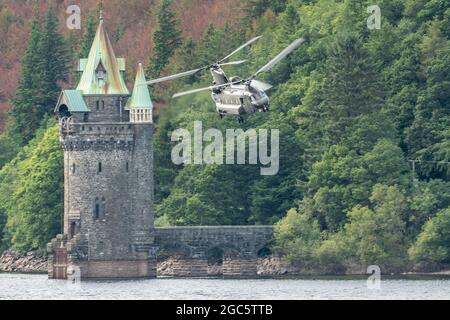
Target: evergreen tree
x,y
43,68
212,45
166,40
26,102
352,86
426,136
189,59
88,36
53,63
256,8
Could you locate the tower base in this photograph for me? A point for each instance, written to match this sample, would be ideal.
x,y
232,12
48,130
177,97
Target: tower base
x,y
123,269
63,263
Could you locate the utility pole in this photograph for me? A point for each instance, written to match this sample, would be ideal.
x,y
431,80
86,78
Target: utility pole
x,y
413,165
413,175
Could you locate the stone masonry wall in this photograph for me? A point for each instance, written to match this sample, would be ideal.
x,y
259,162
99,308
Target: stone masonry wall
x,y
192,246
197,240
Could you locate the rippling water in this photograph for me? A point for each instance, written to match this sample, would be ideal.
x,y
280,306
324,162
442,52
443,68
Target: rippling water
x,y
25,286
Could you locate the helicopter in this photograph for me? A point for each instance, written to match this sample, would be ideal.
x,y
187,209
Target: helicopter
x,y
235,96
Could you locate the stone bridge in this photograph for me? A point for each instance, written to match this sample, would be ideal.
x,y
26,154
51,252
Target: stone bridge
x,y
213,250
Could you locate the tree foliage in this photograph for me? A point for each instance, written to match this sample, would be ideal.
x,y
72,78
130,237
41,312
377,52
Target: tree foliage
x,y
166,40
44,67
31,192
353,107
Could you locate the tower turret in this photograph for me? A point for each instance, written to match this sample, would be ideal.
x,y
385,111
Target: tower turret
x,y
140,103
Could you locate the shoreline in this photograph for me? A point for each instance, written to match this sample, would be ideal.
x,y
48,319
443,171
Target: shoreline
x,y
270,267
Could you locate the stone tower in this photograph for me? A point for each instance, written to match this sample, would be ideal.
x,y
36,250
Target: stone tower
x,y
106,136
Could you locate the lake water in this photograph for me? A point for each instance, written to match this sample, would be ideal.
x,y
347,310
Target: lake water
x,y
25,286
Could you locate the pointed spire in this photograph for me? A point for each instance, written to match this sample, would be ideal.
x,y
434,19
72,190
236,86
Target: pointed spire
x,y
100,9
141,96
102,70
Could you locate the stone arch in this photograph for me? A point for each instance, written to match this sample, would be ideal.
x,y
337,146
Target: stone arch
x,y
264,252
228,250
215,255
175,249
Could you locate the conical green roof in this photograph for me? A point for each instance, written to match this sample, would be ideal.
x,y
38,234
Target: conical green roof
x,y
102,56
141,96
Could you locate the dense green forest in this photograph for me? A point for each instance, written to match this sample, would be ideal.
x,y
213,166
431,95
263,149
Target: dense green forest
x,y
364,120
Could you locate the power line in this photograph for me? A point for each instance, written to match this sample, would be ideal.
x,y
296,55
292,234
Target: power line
x,y
427,161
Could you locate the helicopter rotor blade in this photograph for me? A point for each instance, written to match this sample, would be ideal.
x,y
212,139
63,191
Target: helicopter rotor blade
x,y
180,94
283,54
240,48
260,85
188,73
173,77
233,63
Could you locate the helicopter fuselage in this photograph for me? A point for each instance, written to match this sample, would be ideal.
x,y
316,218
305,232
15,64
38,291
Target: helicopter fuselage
x,y
239,100
236,99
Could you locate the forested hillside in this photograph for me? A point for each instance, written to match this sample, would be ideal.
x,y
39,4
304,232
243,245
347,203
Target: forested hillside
x,y
357,110
130,25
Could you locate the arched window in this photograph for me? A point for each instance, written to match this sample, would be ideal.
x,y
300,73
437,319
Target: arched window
x,y
63,111
100,72
97,209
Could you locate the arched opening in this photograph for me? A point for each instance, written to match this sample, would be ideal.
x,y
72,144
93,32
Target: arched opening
x,y
173,250
73,229
63,111
264,252
214,256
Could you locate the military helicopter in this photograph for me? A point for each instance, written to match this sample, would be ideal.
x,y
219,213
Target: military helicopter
x,y
235,96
